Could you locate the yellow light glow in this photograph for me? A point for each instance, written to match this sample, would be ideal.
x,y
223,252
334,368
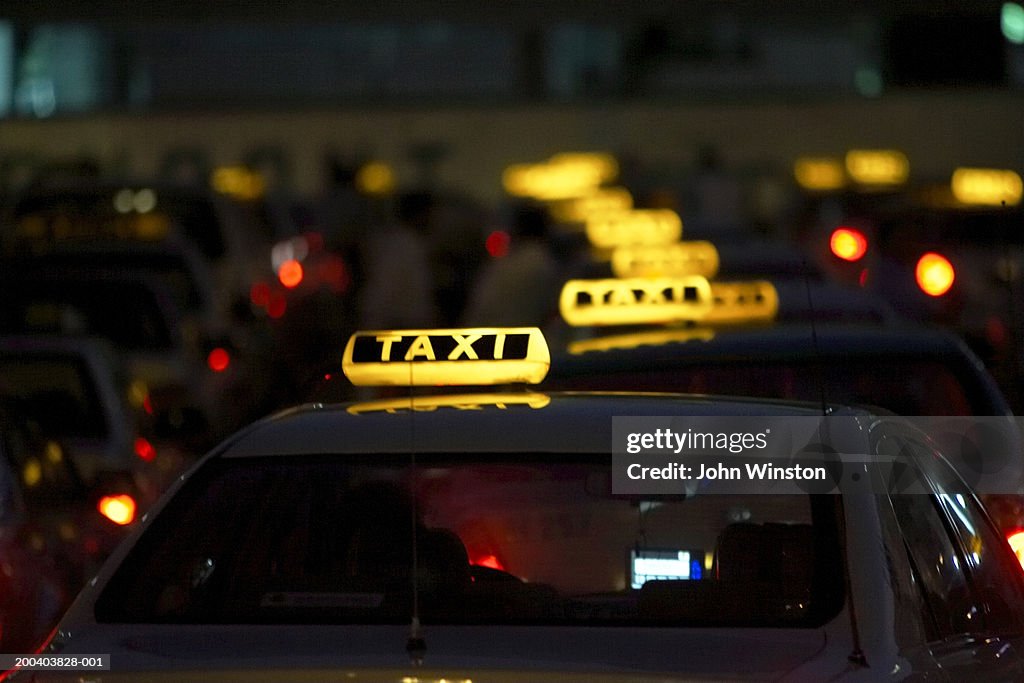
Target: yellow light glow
x,y
32,472
118,509
138,391
986,186
238,182
473,356
429,404
635,301
637,339
1016,541
743,302
670,260
54,453
375,178
934,274
599,202
151,227
819,174
709,561
877,166
640,226
563,176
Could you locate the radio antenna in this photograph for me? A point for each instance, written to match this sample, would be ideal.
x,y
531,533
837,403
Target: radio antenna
x,y
416,645
819,364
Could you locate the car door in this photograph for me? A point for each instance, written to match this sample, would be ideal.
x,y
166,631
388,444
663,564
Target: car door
x,y
971,585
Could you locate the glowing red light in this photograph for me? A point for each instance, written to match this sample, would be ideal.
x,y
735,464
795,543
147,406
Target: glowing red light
x,y
218,360
1016,541
935,274
277,305
144,449
489,561
259,294
147,405
862,279
290,273
497,243
848,244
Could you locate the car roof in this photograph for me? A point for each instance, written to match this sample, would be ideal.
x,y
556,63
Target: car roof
x,y
509,422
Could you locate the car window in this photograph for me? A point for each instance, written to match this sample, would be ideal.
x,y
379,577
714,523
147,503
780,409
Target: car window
x,y
500,539
56,391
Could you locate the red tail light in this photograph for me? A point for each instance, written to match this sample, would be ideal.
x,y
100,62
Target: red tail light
x,y
848,244
118,509
290,273
497,243
1016,541
144,449
218,359
935,274
489,561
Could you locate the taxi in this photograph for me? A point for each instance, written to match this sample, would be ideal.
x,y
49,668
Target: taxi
x,y
497,534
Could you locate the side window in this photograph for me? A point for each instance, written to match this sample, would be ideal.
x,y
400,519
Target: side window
x,y
938,566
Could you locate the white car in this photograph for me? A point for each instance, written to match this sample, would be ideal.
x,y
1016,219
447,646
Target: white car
x,y
488,537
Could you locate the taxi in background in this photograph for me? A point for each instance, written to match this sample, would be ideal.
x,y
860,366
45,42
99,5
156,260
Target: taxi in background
x,y
479,536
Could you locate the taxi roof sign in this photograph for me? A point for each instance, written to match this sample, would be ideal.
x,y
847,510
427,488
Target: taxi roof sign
x,y
635,301
986,186
681,258
819,174
743,302
877,166
438,357
639,226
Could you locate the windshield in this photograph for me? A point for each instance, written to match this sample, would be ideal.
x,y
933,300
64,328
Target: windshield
x,y
517,538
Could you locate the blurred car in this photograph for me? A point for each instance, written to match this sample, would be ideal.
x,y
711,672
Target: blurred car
x,y
906,369
480,536
85,211
54,530
77,393
137,315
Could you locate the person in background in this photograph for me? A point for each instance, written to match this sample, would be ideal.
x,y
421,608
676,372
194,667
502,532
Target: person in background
x,y
399,288
521,287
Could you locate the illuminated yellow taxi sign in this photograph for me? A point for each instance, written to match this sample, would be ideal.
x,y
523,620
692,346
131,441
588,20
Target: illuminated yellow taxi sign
x,y
375,178
474,356
641,226
877,166
681,258
563,176
741,302
637,339
986,186
428,404
635,301
238,182
819,174
599,202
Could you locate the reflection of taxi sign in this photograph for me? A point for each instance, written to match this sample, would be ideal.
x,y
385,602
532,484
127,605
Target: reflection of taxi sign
x,y
642,226
877,166
681,258
819,173
635,301
735,302
637,339
986,186
473,356
429,404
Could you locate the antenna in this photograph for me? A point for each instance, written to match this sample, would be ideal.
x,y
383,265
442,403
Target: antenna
x,y
416,645
818,361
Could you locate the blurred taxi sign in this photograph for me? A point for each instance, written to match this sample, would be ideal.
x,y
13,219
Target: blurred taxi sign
x,y
375,178
428,404
986,186
668,260
599,202
819,174
563,176
634,340
474,356
635,301
877,166
239,182
641,226
742,302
